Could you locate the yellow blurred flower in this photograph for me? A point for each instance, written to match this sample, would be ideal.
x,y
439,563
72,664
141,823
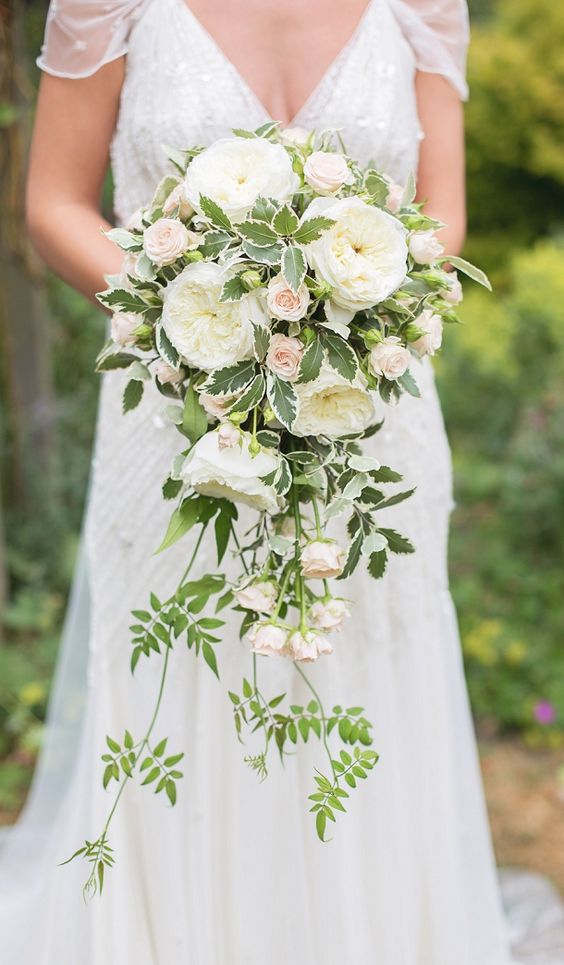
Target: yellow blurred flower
x,y
32,693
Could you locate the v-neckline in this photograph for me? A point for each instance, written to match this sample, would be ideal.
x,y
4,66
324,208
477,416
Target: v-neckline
x,y
249,91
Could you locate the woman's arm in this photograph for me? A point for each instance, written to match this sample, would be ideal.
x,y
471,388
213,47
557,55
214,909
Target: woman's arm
x,y
441,175
74,124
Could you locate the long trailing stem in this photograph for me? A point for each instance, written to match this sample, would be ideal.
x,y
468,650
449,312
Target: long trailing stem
x,y
325,739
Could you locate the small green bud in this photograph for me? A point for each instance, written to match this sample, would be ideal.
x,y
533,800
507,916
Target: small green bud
x,y
191,256
254,447
237,417
268,415
322,291
251,279
307,335
413,332
373,337
143,331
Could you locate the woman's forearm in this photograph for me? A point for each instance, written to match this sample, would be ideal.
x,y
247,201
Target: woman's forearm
x,y
69,238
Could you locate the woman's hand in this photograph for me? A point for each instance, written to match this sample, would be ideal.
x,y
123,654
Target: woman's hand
x,y
441,175
74,125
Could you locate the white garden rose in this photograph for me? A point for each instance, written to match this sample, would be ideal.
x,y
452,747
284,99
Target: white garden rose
x,y
322,559
260,596
424,247
295,136
165,240
389,358
207,333
307,647
123,328
326,171
329,615
331,406
283,303
268,639
362,257
235,171
432,325
232,473
284,356
166,374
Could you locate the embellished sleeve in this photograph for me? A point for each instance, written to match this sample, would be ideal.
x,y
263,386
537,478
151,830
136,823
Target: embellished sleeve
x,y
83,35
438,32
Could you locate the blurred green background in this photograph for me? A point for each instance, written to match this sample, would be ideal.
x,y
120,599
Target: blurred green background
x,y
500,378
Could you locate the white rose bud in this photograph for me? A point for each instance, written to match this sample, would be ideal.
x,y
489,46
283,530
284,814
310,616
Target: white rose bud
x,y
166,374
135,221
284,356
424,247
295,136
322,559
165,240
123,328
260,597
453,294
326,172
432,325
177,200
229,436
283,303
329,615
268,639
395,195
309,646
389,358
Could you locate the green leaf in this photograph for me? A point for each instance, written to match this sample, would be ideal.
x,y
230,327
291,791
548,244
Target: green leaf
x,y
223,529
377,186
311,229
160,748
171,488
468,269
231,378
233,290
259,233
114,360
165,346
264,210
310,365
194,419
171,791
408,383
341,356
208,654
397,543
294,266
214,243
353,555
182,520
251,396
261,341
320,824
113,745
386,475
283,399
151,776
123,300
264,256
214,213
133,393
285,221
395,499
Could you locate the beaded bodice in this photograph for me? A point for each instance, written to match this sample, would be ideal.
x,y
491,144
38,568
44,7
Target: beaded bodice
x,y
180,89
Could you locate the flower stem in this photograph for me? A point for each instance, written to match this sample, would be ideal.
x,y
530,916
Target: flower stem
x,y
322,714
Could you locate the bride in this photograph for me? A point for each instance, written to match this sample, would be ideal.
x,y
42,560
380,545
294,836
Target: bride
x,y
234,875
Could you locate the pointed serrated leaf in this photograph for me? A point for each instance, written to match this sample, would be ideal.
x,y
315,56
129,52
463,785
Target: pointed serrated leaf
x,y
294,266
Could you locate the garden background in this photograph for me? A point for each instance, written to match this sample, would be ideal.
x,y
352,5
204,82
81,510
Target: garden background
x,y
501,380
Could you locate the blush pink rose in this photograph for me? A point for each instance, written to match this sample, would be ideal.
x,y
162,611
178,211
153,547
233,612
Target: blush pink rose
x,y
260,597
322,559
268,639
395,195
329,615
326,171
432,325
389,358
284,356
453,294
177,200
307,647
123,328
165,240
424,247
166,374
216,405
283,303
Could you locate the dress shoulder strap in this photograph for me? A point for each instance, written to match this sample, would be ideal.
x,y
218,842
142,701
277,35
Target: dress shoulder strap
x,y
438,32
83,35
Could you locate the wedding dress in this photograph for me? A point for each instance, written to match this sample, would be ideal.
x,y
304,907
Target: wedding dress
x,y
234,874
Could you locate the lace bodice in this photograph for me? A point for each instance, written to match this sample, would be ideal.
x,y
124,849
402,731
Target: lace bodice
x,y
180,89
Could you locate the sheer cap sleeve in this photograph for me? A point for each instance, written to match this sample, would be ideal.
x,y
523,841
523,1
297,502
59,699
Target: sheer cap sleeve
x,y
438,32
83,35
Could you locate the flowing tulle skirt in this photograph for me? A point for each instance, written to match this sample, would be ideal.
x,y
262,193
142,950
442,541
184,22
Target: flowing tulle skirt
x,y
234,874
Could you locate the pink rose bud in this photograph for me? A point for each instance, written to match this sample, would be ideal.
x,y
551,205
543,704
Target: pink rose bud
x,y
395,195
295,136
453,294
329,615
166,374
326,171
424,247
260,596
123,328
322,559
432,325
177,200
389,358
268,639
165,241
229,436
309,646
284,356
285,304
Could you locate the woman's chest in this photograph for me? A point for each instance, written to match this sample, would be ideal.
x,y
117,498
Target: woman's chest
x,y
181,89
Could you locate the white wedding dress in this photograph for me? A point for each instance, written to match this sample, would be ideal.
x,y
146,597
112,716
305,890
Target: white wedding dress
x,y
234,874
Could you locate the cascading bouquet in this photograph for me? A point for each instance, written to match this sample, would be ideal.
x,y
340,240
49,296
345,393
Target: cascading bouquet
x,y
270,289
